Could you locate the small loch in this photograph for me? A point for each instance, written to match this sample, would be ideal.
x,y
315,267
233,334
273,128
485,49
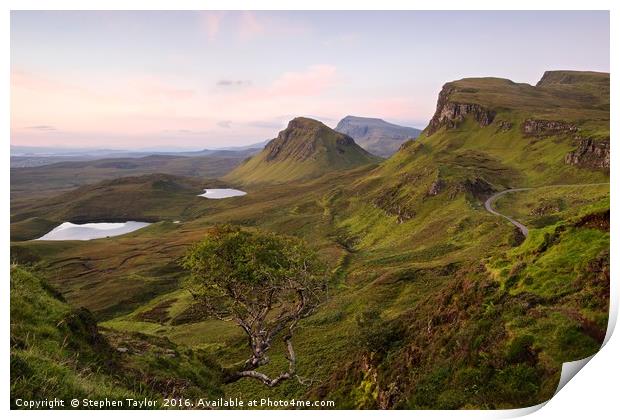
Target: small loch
x,y
83,232
219,193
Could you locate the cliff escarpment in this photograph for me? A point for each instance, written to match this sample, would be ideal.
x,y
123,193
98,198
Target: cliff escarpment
x,y
450,113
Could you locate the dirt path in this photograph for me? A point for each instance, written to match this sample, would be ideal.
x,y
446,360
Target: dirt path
x,y
488,205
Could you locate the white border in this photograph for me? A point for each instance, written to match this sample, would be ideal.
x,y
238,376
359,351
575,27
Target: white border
x,y
592,394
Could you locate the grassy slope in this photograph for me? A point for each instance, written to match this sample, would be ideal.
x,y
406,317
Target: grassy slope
x,y
496,332
544,206
463,316
58,352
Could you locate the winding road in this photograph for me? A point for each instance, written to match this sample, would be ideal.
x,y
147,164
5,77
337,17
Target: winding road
x,y
488,205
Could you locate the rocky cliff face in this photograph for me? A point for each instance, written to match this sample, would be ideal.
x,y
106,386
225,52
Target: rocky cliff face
x,y
590,153
450,114
544,128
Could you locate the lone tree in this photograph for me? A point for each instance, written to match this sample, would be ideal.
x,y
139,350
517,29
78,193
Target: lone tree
x,y
263,282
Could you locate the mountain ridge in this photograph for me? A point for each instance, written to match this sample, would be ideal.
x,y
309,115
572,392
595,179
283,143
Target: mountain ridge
x,y
375,135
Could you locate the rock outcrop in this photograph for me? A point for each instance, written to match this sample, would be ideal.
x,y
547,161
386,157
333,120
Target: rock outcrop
x,y
548,206
503,126
394,205
450,114
543,128
436,187
477,187
590,153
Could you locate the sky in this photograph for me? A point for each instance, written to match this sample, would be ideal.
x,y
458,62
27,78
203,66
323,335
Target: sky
x,y
200,79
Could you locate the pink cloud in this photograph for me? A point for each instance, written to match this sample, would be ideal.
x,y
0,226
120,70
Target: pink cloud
x,y
250,26
313,81
29,81
293,90
211,22
253,25
304,92
111,104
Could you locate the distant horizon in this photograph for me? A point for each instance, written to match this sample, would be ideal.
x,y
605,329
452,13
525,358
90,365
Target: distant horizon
x,y
164,147
130,80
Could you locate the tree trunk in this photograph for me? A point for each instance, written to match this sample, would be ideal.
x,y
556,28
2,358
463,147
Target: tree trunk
x,y
290,355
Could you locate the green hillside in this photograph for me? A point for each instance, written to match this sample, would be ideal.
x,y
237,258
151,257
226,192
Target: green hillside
x,y
472,306
59,352
434,301
305,149
492,134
